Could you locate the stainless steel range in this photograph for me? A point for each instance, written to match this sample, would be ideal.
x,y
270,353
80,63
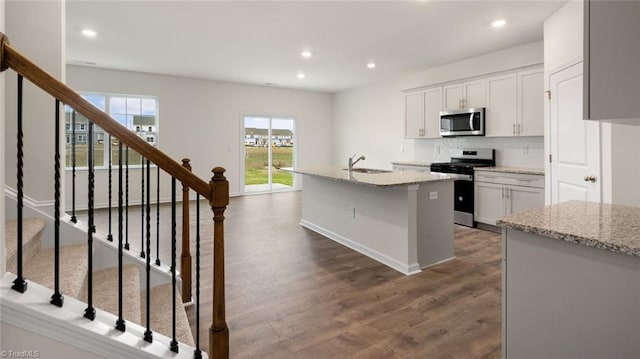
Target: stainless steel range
x,y
463,161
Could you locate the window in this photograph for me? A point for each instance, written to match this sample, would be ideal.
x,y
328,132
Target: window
x,y
133,112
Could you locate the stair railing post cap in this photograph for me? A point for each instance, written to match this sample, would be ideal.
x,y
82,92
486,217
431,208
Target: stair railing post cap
x,y
4,40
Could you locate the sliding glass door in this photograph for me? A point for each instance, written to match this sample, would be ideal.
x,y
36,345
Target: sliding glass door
x,y
268,148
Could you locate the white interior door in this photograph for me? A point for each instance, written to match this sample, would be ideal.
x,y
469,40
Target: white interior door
x,y
574,142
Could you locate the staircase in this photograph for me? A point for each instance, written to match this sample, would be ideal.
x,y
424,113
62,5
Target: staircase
x,y
121,304
37,262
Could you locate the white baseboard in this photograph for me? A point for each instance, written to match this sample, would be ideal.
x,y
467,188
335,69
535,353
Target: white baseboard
x,y
439,262
403,268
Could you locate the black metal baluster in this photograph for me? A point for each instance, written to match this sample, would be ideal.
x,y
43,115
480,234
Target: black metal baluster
x,y
90,312
148,334
57,299
174,342
110,235
74,219
197,353
19,284
158,217
120,323
142,253
126,205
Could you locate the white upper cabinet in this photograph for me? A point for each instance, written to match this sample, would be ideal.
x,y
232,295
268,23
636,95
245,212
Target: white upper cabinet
x,y
474,94
515,104
422,113
414,115
611,59
502,108
432,108
452,97
469,94
531,102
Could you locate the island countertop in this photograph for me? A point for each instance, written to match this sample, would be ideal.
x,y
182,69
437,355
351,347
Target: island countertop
x,y
612,227
384,179
518,170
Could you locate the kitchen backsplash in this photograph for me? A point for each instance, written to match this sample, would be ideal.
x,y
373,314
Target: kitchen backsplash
x,y
510,151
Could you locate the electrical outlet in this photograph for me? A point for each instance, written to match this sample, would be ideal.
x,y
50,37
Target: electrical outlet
x,y
433,195
401,148
352,212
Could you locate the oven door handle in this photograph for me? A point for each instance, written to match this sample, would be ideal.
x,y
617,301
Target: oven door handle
x,y
460,177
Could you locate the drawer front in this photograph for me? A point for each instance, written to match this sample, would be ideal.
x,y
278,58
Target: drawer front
x,y
515,179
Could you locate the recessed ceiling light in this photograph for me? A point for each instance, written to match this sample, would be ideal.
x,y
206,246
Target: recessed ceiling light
x,y
306,54
89,33
498,23
300,75
371,65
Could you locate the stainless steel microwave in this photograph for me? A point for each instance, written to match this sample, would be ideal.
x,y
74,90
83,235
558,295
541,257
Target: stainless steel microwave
x,y
466,122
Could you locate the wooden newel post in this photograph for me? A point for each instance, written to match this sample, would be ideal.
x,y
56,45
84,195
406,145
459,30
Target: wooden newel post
x,y
219,332
185,259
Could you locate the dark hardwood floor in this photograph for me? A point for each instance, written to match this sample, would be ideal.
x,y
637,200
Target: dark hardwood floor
x,y
292,293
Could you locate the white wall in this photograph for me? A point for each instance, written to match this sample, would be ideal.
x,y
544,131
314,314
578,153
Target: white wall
x,y
370,120
36,29
563,39
21,343
620,144
2,120
201,119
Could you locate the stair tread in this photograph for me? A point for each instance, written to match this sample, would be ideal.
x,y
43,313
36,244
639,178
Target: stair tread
x,y
161,311
105,291
73,268
31,230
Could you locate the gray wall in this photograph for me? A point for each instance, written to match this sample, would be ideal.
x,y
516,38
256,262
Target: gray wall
x,y
201,119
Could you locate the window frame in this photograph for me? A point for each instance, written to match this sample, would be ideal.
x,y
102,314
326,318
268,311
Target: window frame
x,y
105,143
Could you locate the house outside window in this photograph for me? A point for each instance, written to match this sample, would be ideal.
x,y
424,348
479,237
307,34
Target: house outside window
x,y
134,112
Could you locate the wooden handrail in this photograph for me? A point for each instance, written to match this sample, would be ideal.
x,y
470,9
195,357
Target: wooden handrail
x,y
11,58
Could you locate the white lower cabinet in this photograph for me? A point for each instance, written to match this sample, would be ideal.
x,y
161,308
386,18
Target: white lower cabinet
x,y
499,194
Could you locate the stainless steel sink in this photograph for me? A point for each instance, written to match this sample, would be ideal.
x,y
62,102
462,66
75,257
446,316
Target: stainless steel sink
x,y
368,170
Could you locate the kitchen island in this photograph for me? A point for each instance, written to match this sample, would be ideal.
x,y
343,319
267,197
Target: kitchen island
x,y
571,282
401,219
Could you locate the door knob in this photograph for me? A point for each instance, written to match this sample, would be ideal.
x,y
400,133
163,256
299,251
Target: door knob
x,y
591,178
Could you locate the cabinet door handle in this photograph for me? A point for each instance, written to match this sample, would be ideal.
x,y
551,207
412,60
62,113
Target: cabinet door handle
x,y
519,129
514,129
590,178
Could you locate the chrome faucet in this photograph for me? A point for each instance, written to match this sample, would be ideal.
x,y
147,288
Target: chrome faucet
x,y
352,162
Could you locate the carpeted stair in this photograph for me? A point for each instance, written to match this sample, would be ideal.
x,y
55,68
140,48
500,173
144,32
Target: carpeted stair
x,y
31,242
38,264
161,313
105,291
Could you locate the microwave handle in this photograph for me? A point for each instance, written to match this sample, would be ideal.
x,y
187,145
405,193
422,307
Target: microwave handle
x,y
471,122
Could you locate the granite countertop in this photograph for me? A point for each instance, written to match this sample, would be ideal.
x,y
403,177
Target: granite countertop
x,y
386,179
411,163
519,170
612,227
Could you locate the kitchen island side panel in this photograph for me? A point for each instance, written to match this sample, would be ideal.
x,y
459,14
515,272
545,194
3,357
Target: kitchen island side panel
x,y
436,227
384,223
564,300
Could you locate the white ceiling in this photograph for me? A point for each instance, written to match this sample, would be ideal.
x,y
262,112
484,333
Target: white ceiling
x,y
260,42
